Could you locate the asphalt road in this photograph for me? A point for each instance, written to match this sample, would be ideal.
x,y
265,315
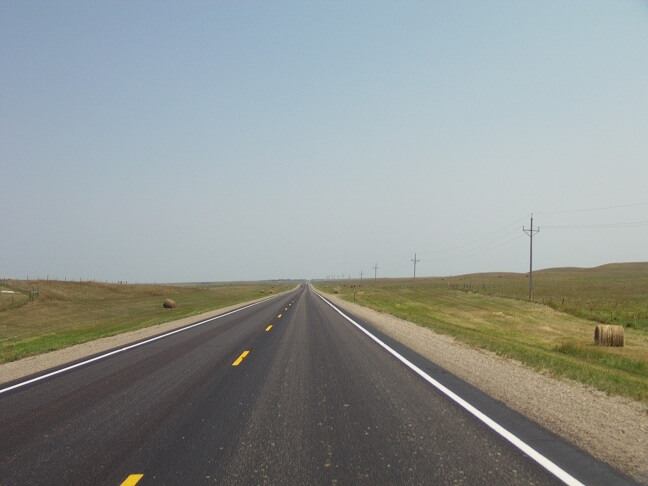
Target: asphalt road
x,y
314,401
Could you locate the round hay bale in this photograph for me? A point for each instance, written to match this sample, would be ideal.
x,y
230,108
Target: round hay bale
x,y
606,335
618,338
601,334
169,304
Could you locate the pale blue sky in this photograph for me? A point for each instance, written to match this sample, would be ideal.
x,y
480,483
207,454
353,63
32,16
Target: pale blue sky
x,y
176,141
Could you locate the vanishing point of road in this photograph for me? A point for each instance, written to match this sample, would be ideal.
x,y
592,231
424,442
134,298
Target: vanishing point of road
x,y
286,391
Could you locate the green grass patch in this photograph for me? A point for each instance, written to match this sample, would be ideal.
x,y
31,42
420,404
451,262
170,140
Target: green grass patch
x,y
543,336
67,313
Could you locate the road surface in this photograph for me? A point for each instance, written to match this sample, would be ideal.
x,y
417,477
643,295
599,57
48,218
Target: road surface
x,y
287,391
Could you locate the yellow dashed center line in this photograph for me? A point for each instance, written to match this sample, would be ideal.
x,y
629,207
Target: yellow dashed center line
x,y
286,309
279,316
132,480
269,327
240,358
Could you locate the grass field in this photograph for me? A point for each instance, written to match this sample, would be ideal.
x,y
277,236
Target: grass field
x,y
66,313
556,337
611,294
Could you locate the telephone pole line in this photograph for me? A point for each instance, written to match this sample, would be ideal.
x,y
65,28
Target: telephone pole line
x,y
531,232
361,273
375,273
415,262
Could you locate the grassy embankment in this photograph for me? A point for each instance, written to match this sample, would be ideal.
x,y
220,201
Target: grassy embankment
x,y
66,313
489,311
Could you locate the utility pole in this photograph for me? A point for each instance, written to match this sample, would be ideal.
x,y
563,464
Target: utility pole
x,y
531,232
415,262
375,273
361,273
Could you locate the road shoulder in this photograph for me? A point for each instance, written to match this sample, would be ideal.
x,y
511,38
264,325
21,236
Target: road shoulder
x,y
612,429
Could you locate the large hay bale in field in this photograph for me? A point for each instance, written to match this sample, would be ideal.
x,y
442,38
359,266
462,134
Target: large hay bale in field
x,y
606,335
169,304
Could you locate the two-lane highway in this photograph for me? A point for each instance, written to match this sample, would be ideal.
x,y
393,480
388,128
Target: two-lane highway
x,y
287,391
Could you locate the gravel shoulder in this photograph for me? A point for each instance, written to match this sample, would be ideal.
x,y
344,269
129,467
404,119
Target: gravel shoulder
x,y
42,362
612,429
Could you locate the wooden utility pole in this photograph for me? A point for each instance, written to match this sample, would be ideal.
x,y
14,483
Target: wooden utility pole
x,y
375,273
415,262
531,232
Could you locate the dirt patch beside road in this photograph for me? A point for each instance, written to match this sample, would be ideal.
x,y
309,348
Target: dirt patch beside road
x,y
612,429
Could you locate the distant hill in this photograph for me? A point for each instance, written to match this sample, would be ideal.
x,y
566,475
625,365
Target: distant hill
x,y
616,268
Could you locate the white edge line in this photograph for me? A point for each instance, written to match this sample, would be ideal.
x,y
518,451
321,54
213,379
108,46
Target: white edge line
x,y
512,438
131,346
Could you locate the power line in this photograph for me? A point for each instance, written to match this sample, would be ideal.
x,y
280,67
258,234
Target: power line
x,y
490,245
473,247
487,235
631,224
493,244
479,250
593,209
